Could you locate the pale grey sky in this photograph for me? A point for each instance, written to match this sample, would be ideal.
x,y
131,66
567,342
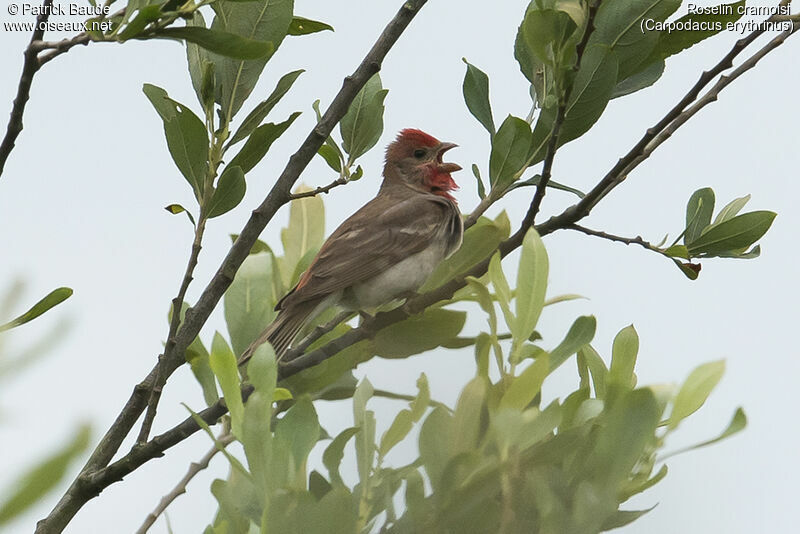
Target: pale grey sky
x,y
81,204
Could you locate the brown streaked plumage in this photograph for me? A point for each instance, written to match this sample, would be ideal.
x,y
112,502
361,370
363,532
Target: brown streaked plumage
x,y
386,249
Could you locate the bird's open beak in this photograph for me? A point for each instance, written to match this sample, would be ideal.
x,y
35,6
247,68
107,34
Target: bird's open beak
x,y
446,167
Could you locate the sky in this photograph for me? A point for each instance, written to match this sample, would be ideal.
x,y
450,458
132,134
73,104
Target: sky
x,y
81,205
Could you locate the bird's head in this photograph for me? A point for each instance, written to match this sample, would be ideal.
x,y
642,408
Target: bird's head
x,y
415,159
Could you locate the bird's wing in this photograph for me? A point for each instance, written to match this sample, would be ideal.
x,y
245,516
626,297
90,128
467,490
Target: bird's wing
x,y
376,237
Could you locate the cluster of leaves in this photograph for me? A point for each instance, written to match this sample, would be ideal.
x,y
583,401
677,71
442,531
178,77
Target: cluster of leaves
x,y
501,460
730,235
44,476
618,59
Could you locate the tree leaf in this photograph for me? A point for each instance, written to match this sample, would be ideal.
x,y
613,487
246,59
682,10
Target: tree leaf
x,y
197,57
362,125
737,424
501,289
260,112
597,368
623,358
420,404
220,42
259,143
331,157
260,20
731,209
365,441
52,299
641,80
509,153
229,192
250,300
396,432
418,333
304,234
223,363
697,28
531,285
736,233
42,478
476,95
332,457
298,432
527,385
304,26
262,371
477,174
579,335
698,213
186,134
695,391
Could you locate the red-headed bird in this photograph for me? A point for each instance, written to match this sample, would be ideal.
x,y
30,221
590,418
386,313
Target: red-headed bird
x,y
385,250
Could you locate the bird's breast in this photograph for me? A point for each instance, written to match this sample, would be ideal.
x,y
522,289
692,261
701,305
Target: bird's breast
x,y
403,277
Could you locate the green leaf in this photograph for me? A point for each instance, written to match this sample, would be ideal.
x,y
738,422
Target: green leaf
x,y
144,16
476,95
365,420
736,233
52,299
737,424
620,518
509,153
698,213
480,240
579,335
250,300
545,32
298,432
695,391
597,368
531,285
332,457
256,433
220,42
41,479
677,251
223,363
397,431
198,359
501,289
259,143
691,270
641,80
197,59
261,20
303,26
467,416
177,208
229,192
698,27
418,333
435,442
362,125
623,358
731,210
305,232
331,157
260,112
527,385
420,404
186,134
481,189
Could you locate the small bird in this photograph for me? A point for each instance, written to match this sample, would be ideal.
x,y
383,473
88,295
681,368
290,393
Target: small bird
x,y
385,250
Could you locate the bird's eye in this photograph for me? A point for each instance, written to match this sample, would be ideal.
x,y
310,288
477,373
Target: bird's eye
x,y
419,153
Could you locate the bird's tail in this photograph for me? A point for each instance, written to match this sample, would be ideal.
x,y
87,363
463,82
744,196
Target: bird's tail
x,y
282,331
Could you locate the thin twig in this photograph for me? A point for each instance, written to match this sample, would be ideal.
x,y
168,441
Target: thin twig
x,y
29,68
223,439
611,237
55,49
552,146
175,321
324,189
95,475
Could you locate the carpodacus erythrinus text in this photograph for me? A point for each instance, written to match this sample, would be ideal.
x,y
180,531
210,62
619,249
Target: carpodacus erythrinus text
x,y
386,249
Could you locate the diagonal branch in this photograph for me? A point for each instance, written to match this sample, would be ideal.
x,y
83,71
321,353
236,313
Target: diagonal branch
x,y
611,237
85,486
323,189
29,68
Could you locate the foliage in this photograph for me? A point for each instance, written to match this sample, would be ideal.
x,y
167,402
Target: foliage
x,y
509,456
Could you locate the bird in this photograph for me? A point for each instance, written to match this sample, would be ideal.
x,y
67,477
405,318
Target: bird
x,y
384,251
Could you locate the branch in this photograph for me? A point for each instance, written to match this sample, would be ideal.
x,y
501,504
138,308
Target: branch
x,y
194,468
175,321
627,163
611,237
324,189
29,68
94,476
552,145
57,48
